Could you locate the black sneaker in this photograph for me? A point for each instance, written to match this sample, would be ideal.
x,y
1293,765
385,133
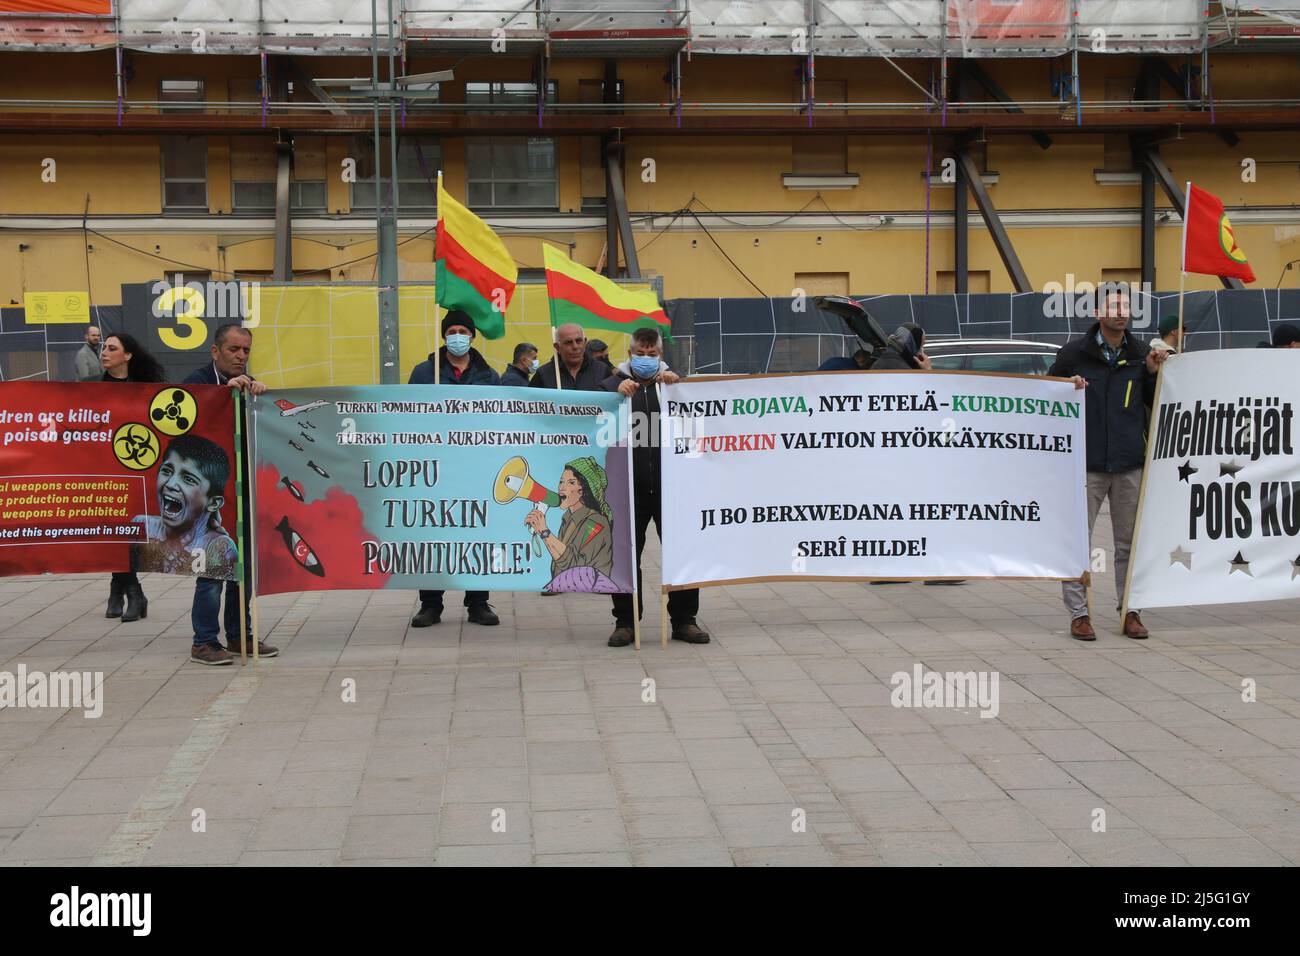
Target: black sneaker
x,y
483,614
690,633
622,636
427,617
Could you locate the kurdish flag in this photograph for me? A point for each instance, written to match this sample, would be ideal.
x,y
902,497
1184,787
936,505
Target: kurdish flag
x,y
1209,244
580,295
474,271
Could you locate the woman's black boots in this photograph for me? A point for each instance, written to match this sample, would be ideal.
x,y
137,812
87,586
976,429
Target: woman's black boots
x,y
137,605
116,594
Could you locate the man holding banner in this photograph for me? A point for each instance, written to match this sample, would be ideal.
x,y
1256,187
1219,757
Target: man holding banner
x,y
232,345
638,380
460,365
1119,373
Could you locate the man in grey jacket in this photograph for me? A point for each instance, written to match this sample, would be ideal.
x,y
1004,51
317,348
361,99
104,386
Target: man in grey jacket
x,y
88,367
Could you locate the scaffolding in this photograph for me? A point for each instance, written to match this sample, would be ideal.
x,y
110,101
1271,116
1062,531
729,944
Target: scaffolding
x,y
881,28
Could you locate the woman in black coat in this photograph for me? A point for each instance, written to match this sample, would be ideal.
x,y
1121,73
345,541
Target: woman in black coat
x,y
125,360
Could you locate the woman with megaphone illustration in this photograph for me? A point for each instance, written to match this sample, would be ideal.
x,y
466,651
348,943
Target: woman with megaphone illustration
x,y
582,550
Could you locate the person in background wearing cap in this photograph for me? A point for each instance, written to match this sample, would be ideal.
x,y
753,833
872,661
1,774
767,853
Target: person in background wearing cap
x,y
460,365
1169,338
637,378
1285,336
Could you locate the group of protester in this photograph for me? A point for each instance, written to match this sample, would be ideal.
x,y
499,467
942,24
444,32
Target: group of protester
x,y
1117,370
583,366
580,364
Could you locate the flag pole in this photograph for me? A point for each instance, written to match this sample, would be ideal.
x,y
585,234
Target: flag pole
x,y
240,530
437,292
555,341
1182,270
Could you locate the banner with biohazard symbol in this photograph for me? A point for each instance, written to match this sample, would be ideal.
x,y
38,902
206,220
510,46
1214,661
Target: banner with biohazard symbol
x,y
459,487
101,476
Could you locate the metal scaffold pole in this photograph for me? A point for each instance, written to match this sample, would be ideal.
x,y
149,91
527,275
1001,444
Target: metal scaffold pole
x,y
385,217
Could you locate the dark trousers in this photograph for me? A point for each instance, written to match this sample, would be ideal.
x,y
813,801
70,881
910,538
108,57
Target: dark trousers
x,y
434,599
122,579
208,604
682,605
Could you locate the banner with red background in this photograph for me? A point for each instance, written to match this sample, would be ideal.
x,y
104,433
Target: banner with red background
x,y
118,477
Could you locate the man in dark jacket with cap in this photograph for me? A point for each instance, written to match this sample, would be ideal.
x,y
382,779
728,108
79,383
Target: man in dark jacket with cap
x,y
905,351
1119,373
460,365
638,379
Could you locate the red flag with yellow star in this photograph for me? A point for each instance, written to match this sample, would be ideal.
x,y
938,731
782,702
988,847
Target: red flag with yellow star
x,y
1209,245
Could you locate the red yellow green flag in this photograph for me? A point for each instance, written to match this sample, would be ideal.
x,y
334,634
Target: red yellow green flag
x,y
593,301
1209,243
474,270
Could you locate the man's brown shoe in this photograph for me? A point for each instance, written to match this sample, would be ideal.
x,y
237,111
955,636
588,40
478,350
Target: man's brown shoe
x,y
1081,629
263,649
213,654
622,636
1133,627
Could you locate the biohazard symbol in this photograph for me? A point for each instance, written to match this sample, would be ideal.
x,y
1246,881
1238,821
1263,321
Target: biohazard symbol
x,y
1228,240
173,411
135,446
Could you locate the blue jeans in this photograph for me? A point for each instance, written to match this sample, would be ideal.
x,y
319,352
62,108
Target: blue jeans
x,y
207,602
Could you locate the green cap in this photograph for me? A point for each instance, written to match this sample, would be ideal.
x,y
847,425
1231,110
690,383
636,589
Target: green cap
x,y
1168,324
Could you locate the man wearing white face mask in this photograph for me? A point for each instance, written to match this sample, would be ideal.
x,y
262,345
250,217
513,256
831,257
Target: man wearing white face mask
x,y
461,365
638,378
519,371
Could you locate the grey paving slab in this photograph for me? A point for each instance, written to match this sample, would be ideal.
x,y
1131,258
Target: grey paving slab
x,y
776,745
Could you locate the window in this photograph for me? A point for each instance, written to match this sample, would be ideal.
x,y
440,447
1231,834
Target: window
x,y
977,280
593,91
822,283
520,96
182,93
507,172
259,197
417,182
1024,363
185,173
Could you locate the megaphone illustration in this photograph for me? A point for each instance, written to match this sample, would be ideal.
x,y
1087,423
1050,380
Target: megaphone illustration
x,y
514,482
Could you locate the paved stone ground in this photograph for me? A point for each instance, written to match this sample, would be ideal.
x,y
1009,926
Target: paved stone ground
x,y
538,727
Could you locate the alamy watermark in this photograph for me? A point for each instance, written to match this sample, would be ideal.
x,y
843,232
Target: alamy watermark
x,y
1085,300
959,689
60,690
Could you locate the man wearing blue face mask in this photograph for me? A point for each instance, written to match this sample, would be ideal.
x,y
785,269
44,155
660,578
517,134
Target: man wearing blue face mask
x,y
519,371
461,365
638,378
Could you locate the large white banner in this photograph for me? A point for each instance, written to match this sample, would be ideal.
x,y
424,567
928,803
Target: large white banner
x,y
860,475
1220,515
